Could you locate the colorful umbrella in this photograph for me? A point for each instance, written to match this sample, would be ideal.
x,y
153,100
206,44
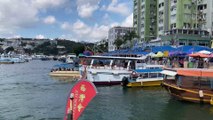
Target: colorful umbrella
x,y
201,55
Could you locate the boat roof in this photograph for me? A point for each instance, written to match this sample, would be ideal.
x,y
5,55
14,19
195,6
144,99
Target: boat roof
x,y
189,72
169,72
64,65
114,57
152,66
147,70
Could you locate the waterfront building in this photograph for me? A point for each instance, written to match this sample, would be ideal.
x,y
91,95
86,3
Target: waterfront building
x,y
114,33
145,19
178,37
180,16
187,22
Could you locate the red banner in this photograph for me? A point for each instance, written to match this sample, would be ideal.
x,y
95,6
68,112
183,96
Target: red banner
x,y
80,96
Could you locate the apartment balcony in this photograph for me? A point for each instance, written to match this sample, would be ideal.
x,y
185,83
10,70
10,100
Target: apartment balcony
x,y
161,8
173,4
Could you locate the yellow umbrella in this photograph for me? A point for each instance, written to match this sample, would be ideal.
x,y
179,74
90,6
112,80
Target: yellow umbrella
x,y
159,54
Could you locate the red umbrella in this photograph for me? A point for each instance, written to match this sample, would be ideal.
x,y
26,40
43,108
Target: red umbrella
x,y
201,55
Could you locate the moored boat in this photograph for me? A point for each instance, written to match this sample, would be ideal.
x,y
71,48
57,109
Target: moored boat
x,y
109,70
194,85
65,70
150,76
6,61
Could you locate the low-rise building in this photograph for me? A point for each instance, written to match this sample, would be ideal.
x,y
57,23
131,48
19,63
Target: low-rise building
x,y
116,32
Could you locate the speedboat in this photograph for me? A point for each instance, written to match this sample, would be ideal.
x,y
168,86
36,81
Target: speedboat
x,y
194,85
150,76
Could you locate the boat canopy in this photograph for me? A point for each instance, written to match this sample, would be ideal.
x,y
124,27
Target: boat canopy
x,y
64,65
115,57
147,70
169,72
189,72
195,72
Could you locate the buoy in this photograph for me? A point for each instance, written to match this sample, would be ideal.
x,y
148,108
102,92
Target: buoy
x,y
201,93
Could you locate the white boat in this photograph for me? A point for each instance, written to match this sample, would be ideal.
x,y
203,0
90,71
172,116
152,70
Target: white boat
x,y
70,58
109,70
150,76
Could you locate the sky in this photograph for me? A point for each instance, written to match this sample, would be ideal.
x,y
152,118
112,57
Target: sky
x,y
76,20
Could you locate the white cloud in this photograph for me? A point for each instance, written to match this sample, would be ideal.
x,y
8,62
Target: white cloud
x,y
83,32
13,14
49,20
128,22
21,14
68,37
43,4
87,8
116,7
39,37
66,26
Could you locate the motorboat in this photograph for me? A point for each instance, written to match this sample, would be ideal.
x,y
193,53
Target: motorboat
x,y
70,58
65,70
6,61
194,85
109,70
149,76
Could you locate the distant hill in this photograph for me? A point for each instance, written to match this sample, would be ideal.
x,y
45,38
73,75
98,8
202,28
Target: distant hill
x,y
66,47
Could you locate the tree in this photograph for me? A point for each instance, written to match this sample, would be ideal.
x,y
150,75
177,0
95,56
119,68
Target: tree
x,y
1,50
129,37
9,49
118,42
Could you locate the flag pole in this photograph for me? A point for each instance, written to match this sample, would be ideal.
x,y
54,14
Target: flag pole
x,y
70,114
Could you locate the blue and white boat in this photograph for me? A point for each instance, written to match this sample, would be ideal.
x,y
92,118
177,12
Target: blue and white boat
x,y
151,76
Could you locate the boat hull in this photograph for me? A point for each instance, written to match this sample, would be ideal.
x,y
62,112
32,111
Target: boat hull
x,y
107,83
191,95
65,74
144,83
106,76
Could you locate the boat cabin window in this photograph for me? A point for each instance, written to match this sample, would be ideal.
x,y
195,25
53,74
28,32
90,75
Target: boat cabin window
x,y
150,75
167,77
195,82
101,62
153,75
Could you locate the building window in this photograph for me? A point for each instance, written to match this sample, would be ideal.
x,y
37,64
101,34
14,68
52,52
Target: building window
x,y
182,43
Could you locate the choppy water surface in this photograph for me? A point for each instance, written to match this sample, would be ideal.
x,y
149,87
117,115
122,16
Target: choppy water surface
x,y
27,92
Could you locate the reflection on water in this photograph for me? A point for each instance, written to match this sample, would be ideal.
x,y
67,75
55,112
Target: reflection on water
x,y
65,79
27,92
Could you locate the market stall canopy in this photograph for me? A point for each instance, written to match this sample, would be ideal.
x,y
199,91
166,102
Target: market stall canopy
x,y
155,49
201,55
205,52
159,54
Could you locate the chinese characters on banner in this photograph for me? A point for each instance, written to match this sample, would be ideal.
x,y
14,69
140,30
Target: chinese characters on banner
x,y
82,93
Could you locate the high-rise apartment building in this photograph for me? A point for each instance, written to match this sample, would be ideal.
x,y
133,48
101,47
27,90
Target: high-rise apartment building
x,y
163,16
145,19
205,14
154,18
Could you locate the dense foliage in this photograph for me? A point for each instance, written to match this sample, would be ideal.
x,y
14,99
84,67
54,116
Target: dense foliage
x,y
69,47
128,37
